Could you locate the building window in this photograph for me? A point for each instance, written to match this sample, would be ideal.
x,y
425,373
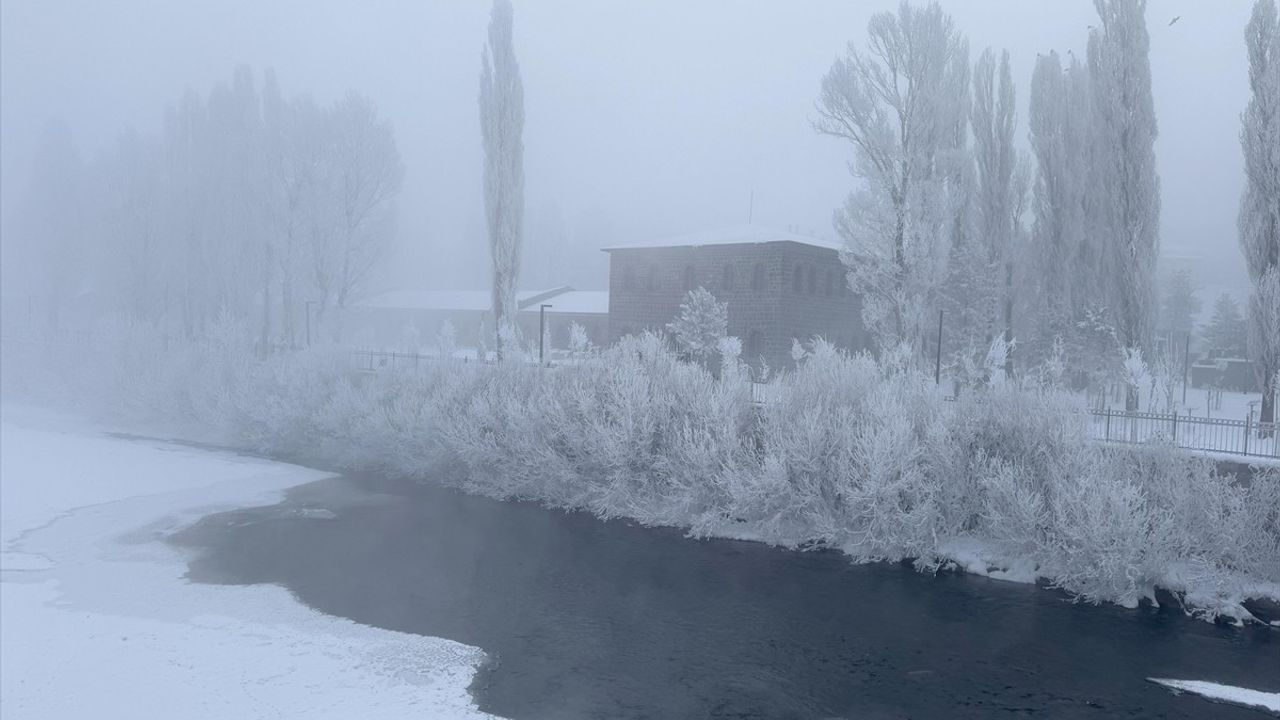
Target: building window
x,y
689,278
629,278
798,283
726,282
757,277
813,281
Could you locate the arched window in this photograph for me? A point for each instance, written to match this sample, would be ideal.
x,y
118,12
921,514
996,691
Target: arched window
x,y
798,283
690,280
629,278
831,283
813,281
726,282
757,277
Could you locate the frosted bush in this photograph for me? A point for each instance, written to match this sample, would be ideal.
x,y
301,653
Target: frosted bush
x,y
848,452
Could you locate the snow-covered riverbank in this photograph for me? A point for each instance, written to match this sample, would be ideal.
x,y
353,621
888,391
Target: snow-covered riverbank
x,y
99,620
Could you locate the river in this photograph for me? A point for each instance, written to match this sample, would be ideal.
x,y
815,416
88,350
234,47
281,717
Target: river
x,y
588,619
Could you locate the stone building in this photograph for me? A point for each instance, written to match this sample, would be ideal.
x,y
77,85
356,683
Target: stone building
x,y
779,286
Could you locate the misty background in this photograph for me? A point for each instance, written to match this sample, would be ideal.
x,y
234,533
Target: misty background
x,y
644,119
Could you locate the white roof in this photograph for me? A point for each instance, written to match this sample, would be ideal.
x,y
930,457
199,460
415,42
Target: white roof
x,y
577,301
476,300
732,236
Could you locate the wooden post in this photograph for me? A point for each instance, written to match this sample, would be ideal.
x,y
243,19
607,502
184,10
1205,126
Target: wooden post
x,y
1248,419
1108,424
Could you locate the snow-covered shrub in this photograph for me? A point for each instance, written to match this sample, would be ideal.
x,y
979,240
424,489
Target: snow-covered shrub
x,y
849,452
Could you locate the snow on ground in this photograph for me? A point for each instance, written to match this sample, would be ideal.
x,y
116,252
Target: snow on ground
x,y
98,619
1224,693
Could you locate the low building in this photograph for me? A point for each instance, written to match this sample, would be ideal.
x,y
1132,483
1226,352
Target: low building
x,y
409,320
1236,374
778,286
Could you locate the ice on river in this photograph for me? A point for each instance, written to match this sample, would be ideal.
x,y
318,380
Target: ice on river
x,y
1224,693
99,620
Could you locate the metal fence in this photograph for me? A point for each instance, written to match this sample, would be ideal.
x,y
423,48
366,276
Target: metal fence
x,y
1237,437
385,360
1246,437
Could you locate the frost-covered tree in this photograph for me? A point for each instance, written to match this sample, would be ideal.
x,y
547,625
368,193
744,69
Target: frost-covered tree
x,y
1066,257
1180,305
244,205
580,344
1259,219
362,176
701,324
501,130
1264,338
1226,334
899,102
1000,190
1127,192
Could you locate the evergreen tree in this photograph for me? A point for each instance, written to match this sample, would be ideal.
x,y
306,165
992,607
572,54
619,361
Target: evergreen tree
x,y
1226,334
701,324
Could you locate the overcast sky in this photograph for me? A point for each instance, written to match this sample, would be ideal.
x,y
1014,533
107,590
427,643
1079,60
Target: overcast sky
x,y
649,117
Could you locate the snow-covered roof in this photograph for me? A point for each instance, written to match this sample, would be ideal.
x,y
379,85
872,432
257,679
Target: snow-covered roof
x,y
731,236
577,301
476,300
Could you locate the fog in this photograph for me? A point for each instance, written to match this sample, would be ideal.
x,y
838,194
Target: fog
x,y
644,119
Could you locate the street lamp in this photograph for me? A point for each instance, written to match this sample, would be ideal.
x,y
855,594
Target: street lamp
x,y
542,329
309,303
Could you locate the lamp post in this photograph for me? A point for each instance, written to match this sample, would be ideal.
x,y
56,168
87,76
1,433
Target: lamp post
x,y
542,329
309,303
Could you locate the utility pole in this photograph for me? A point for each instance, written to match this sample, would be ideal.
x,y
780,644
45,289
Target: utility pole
x,y
937,362
542,331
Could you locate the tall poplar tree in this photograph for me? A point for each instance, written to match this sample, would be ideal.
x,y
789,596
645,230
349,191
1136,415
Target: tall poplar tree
x,y
1127,191
1259,219
502,129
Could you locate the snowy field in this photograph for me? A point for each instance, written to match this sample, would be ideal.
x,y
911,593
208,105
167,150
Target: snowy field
x,y
99,621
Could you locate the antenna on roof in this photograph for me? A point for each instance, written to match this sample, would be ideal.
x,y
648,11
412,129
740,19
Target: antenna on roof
x,y
751,206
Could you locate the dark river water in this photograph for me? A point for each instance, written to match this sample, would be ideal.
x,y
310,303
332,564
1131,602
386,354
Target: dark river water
x,y
588,619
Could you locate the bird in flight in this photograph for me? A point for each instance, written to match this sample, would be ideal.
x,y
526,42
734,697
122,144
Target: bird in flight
x,y
1171,22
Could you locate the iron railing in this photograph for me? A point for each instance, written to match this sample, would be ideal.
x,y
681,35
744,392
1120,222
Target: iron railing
x,y
1247,437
